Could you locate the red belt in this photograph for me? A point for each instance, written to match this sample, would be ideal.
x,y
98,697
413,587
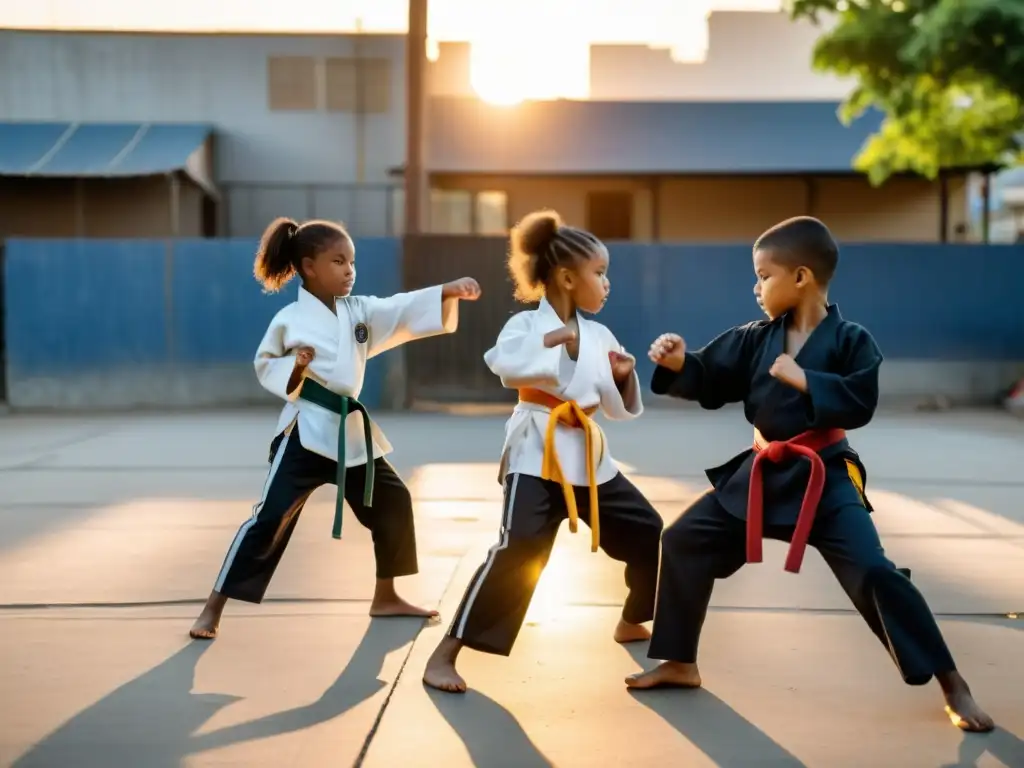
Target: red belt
x,y
808,444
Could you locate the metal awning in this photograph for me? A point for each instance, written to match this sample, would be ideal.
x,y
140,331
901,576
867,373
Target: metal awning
x,y
604,137
103,150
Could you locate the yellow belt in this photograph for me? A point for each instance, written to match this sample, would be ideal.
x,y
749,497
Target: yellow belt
x,y
570,414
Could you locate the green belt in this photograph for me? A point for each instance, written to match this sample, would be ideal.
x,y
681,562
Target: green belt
x,y
342,405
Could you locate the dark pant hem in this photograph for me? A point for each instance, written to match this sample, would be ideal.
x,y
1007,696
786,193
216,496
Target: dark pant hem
x,y
242,596
917,680
635,616
680,658
397,573
476,645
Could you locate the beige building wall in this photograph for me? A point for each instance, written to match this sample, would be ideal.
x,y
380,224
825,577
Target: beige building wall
x,y
723,209
113,208
733,209
751,56
902,210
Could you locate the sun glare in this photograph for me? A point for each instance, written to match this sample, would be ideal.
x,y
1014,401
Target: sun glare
x,y
493,75
503,72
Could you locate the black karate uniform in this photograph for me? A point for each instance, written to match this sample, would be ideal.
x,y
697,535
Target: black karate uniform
x,y
841,362
498,596
295,473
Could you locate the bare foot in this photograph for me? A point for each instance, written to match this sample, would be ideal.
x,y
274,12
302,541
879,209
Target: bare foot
x,y
206,625
440,672
961,707
396,606
630,633
668,674
386,602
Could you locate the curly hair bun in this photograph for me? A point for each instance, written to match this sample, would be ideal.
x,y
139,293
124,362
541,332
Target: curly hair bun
x,y
536,231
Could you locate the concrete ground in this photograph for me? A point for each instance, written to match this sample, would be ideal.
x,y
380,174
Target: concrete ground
x,y
112,529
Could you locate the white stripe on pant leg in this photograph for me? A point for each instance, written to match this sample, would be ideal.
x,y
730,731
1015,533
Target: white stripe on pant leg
x,y
506,524
240,535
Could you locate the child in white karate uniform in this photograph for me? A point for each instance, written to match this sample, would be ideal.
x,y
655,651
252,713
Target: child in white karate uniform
x,y
314,356
555,464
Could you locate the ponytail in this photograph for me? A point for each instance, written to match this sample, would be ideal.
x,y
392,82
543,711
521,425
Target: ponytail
x,y
275,264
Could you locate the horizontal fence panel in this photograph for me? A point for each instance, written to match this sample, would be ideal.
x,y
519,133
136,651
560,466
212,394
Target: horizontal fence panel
x,y
122,323
79,305
117,322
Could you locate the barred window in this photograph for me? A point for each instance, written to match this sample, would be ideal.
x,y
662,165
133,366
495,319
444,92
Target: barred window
x,y
291,83
362,86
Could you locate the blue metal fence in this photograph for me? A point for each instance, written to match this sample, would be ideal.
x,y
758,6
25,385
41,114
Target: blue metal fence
x,y
921,302
75,308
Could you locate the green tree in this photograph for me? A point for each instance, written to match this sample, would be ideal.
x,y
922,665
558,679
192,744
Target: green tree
x,y
948,74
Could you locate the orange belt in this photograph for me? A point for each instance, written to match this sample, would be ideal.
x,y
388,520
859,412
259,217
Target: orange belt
x,y
807,444
570,414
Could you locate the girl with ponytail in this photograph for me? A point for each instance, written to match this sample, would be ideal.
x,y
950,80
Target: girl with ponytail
x,y
313,356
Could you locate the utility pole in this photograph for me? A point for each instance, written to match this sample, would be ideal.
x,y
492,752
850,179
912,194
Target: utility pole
x,y
415,113
398,387
360,72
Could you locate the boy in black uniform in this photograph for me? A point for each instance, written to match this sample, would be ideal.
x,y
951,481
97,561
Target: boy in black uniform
x,y
804,376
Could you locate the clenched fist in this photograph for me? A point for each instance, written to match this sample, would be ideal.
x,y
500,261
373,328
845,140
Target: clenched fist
x,y
559,336
465,288
622,364
304,356
788,372
668,351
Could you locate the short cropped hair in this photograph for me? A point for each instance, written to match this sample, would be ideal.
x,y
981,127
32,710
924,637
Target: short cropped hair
x,y
802,241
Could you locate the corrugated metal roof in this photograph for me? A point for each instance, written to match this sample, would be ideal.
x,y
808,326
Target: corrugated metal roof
x,y
76,150
470,136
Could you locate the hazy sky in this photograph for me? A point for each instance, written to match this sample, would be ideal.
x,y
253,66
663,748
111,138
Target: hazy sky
x,y
596,20
561,31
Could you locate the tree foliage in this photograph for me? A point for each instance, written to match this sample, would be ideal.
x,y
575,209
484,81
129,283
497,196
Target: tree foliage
x,y
948,74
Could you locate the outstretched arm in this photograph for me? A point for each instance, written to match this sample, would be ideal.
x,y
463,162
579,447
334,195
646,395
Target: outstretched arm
x,y
713,376
405,317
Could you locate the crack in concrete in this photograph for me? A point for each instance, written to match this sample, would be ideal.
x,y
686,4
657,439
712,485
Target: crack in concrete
x,y
368,741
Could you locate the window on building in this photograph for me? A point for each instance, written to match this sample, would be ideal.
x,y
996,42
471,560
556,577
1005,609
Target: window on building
x,y
376,85
340,85
610,215
397,208
451,212
362,86
491,213
457,212
292,83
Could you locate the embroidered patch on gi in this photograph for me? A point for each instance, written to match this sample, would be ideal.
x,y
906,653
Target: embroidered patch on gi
x,y
362,333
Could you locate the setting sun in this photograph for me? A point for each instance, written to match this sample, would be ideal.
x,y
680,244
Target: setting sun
x,y
493,75
504,71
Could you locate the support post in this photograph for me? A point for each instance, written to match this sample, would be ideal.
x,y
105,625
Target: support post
x,y
943,208
986,208
415,116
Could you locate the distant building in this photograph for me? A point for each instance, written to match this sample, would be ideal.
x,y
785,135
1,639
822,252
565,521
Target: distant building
x,y
678,171
200,135
667,151
301,125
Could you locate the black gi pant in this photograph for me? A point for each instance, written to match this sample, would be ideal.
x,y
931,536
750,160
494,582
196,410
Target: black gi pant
x,y
294,474
707,543
498,596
